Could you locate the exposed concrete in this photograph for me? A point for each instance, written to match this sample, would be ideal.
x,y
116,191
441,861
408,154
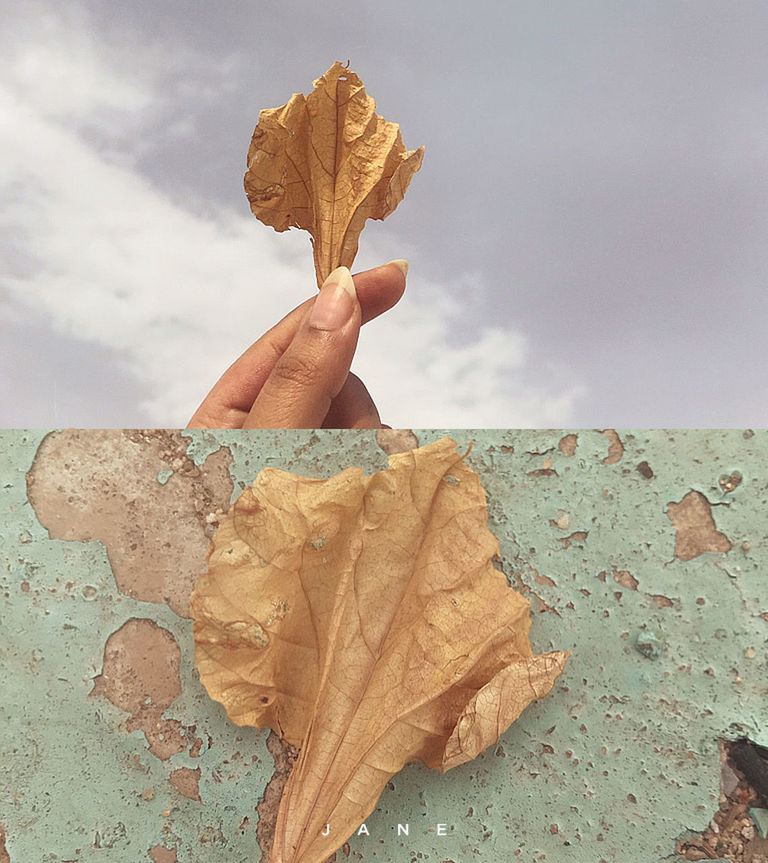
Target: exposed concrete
x,y
141,676
695,527
161,854
285,757
139,494
396,440
187,782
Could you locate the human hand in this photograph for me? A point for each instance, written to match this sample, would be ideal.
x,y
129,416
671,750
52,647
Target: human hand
x,y
297,374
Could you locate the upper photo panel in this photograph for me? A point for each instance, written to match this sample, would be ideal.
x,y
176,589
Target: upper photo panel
x,y
430,215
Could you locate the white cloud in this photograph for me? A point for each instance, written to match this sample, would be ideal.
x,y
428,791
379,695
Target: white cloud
x,y
70,82
421,374
111,260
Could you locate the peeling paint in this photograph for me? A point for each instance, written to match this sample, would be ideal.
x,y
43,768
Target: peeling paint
x,y
695,527
622,754
396,440
568,443
615,447
187,782
102,485
285,757
161,854
625,579
141,676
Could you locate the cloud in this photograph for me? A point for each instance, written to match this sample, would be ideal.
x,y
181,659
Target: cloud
x,y
111,260
423,371
70,81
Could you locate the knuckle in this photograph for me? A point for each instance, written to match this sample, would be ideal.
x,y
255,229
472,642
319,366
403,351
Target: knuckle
x,y
296,371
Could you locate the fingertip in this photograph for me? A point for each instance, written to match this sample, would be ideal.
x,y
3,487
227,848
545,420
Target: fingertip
x,y
380,288
401,265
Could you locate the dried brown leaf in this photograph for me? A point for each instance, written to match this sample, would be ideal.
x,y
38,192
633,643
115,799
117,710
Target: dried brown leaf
x,y
362,619
326,163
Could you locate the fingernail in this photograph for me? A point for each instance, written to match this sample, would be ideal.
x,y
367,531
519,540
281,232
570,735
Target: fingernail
x,y
334,304
401,264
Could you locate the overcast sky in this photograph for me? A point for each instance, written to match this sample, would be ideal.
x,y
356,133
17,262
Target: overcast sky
x,y
588,235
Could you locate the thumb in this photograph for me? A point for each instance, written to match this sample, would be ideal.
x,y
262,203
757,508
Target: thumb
x,y
313,368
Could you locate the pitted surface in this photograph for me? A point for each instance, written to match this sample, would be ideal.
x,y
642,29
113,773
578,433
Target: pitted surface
x,y
643,552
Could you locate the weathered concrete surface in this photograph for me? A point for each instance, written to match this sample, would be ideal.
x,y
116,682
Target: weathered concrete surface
x,y
644,553
139,494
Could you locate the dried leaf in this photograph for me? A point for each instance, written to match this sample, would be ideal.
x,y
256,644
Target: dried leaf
x,y
326,163
362,619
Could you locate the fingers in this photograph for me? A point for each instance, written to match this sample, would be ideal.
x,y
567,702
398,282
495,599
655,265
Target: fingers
x,y
312,370
353,407
233,396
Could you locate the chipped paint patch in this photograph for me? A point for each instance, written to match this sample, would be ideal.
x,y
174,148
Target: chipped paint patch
x,y
103,485
615,447
695,527
568,443
625,579
396,440
141,676
285,757
186,781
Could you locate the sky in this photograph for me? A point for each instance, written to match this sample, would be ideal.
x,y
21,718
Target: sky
x,y
587,236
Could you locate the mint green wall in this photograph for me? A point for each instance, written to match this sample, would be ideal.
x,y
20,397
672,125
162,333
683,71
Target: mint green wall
x,y
622,754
